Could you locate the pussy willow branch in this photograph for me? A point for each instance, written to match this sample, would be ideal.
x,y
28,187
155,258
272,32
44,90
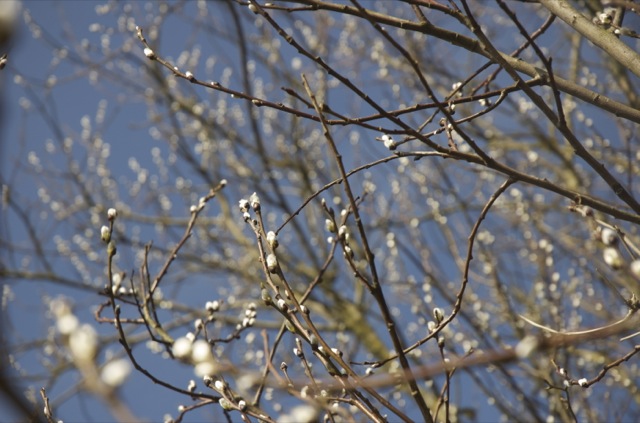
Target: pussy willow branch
x,y
507,355
327,356
554,118
506,62
605,40
465,277
579,198
374,285
471,45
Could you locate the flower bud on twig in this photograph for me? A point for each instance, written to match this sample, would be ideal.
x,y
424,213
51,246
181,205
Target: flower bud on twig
x,y
272,263
105,234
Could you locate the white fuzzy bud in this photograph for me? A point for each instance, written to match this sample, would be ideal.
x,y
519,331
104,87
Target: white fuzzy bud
x,y
112,214
254,200
388,142
438,314
272,240
182,347
212,306
115,372
635,268
330,225
201,351
192,386
105,233
67,323
272,263
608,236
149,53
282,304
612,257
83,343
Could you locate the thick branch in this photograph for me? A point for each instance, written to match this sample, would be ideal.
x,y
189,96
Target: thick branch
x,y
607,41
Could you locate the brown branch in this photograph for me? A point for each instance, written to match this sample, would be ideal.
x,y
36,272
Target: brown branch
x,y
374,285
605,40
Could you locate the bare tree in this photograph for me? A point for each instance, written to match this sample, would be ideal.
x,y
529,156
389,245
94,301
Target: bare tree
x,y
290,211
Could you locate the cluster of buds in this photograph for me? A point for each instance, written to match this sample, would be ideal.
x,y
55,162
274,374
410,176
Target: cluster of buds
x,y
342,233
116,285
249,316
605,17
211,307
611,237
244,208
252,203
611,253
456,87
229,400
201,203
106,231
82,341
198,352
344,236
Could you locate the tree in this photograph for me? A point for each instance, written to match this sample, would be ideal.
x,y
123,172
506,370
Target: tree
x,y
304,210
